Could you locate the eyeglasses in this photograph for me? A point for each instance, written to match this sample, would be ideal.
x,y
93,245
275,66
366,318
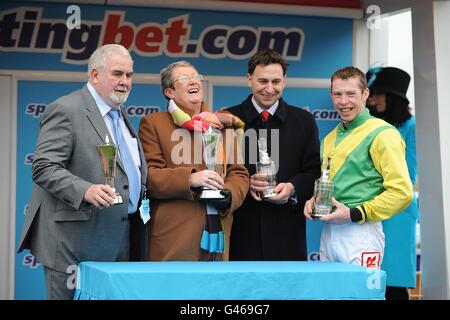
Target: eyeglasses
x,y
186,79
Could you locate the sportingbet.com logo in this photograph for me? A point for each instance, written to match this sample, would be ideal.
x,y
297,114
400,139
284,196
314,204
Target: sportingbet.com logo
x,y
35,110
23,29
30,261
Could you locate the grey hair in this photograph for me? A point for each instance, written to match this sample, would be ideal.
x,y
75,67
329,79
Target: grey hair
x,y
98,58
166,73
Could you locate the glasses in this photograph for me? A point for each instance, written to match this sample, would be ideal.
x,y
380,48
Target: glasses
x,y
186,79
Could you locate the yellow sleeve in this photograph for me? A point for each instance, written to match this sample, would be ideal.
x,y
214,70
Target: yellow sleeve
x,y
388,155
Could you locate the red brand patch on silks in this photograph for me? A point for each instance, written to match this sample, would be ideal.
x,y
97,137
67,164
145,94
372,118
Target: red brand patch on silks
x,y
371,259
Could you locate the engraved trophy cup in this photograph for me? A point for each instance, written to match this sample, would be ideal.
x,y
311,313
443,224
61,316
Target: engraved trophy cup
x,y
211,148
267,167
108,156
323,193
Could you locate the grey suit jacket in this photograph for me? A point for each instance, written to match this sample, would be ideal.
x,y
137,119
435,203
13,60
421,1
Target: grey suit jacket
x,y
60,228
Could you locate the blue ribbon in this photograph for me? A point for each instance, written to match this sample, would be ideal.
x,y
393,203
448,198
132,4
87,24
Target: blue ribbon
x,y
374,72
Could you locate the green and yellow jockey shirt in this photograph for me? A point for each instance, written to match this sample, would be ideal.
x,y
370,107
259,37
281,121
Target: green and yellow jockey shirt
x,y
368,167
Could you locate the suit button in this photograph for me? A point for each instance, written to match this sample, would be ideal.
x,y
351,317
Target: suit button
x,y
125,187
124,219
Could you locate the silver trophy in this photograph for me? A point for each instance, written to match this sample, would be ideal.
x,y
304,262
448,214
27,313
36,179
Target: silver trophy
x,y
267,167
323,193
211,148
108,157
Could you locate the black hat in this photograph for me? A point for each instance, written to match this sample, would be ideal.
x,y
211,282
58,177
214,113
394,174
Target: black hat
x,y
388,80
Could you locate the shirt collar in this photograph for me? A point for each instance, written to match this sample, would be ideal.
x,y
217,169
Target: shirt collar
x,y
271,110
101,104
357,121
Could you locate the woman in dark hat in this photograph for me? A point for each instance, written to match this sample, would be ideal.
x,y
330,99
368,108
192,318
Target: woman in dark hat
x,y
388,101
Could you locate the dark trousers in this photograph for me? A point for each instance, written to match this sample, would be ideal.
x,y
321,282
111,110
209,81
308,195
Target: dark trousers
x,y
396,293
61,285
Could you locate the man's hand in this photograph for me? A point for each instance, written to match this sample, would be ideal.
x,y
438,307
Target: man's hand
x,y
258,183
284,191
340,216
100,195
307,211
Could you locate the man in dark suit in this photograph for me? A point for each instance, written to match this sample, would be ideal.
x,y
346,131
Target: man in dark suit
x,y
274,228
71,217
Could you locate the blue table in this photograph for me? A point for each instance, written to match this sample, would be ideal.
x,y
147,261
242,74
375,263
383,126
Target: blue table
x,y
236,280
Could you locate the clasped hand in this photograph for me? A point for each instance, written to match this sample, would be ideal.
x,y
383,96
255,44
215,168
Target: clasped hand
x,y
100,195
339,216
259,184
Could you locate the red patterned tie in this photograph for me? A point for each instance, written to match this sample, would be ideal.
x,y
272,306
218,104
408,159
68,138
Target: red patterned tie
x,y
265,115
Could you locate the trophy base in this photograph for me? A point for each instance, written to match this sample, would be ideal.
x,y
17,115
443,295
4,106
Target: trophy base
x,y
118,199
268,194
320,212
209,194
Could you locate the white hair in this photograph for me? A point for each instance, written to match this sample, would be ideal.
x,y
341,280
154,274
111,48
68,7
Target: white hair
x,y
98,58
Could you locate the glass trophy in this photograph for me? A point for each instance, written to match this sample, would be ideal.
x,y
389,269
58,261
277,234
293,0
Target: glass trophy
x,y
211,150
267,167
323,193
108,157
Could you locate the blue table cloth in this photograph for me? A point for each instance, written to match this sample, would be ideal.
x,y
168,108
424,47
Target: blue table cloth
x,y
234,280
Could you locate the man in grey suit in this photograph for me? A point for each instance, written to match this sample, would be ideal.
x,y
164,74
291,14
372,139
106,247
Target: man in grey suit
x,y
71,217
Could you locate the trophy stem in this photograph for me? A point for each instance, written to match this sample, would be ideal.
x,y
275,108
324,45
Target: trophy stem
x,y
110,182
108,156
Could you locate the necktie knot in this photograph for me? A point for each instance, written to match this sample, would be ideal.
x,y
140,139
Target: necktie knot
x,y
265,115
114,114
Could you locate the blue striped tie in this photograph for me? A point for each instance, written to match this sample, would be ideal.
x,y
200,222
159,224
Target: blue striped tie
x,y
127,160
